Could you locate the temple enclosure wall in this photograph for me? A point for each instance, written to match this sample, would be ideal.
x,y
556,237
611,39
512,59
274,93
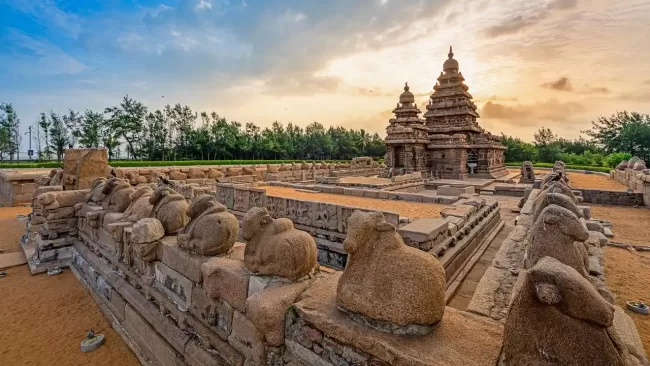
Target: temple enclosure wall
x,y
16,188
198,272
637,181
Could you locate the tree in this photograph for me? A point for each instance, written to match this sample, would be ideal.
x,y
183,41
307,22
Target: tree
x,y
58,135
548,149
517,150
622,132
74,123
126,122
44,125
10,137
90,133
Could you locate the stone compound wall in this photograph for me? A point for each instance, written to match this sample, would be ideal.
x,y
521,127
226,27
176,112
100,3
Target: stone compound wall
x,y
327,223
612,197
16,188
501,282
178,308
639,182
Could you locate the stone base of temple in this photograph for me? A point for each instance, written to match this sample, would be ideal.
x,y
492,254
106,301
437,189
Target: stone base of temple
x,y
496,172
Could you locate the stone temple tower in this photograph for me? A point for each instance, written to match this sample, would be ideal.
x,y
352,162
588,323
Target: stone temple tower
x,y
458,147
406,140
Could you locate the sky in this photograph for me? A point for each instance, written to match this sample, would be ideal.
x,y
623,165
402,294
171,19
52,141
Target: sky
x,y
528,64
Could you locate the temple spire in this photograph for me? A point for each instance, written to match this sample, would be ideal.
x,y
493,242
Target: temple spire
x,y
451,53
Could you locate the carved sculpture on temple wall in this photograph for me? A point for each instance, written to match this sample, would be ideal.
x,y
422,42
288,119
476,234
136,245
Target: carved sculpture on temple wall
x,y
140,206
96,196
378,259
557,317
117,192
275,248
212,230
558,233
170,208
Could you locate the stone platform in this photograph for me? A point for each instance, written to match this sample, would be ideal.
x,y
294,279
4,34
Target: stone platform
x,y
476,183
460,339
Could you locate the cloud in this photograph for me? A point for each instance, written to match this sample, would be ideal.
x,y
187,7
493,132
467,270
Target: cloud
x,y
530,114
203,4
596,90
561,84
518,23
30,56
48,14
563,4
511,26
301,85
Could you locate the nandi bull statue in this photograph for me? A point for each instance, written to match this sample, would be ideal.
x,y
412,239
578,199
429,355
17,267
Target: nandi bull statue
x,y
170,208
557,317
275,248
558,233
117,192
387,284
140,206
546,198
212,230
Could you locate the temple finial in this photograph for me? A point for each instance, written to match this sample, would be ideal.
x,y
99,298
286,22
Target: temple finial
x,y
406,86
451,53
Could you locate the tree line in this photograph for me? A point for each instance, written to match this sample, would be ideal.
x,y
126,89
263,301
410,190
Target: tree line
x,y
179,133
609,141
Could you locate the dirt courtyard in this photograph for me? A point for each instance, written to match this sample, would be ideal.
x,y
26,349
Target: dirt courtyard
x,y
627,273
412,210
44,318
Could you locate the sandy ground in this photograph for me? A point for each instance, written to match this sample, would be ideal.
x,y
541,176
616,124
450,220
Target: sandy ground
x,y
11,228
627,274
630,225
412,210
44,318
587,181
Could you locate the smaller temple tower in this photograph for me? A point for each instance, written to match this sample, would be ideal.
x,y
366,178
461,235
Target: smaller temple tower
x,y
406,139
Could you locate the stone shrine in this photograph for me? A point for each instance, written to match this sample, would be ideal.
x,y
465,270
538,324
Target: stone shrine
x,y
449,143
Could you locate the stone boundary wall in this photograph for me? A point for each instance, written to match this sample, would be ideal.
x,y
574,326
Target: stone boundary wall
x,y
634,180
16,188
176,308
568,170
618,198
326,222
493,294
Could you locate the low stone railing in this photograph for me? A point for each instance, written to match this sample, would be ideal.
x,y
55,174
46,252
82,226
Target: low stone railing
x,y
177,307
639,182
16,188
503,292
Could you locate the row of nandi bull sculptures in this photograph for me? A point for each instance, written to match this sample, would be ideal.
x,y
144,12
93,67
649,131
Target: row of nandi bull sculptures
x,y
151,175
378,256
557,315
634,163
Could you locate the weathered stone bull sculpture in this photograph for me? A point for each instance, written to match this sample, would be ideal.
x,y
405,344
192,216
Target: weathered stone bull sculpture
x,y
386,281
558,233
275,248
212,230
140,206
557,318
117,192
170,208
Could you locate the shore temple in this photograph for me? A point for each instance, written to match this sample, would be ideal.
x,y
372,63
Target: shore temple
x,y
448,141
